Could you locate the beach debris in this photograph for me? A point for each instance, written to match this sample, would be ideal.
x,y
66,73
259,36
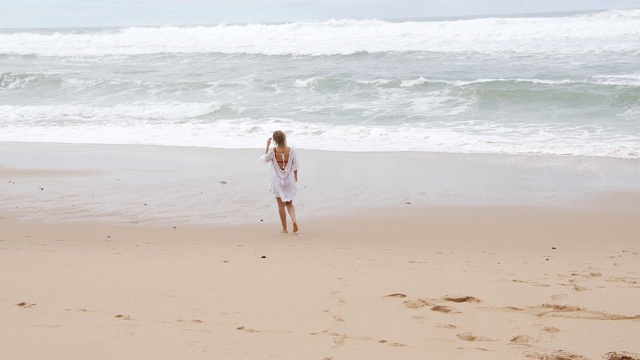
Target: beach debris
x,y
41,188
11,182
145,204
108,237
263,257
553,248
174,227
123,317
408,203
223,182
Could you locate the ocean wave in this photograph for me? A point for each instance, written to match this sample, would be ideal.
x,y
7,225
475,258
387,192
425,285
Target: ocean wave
x,y
13,81
615,31
144,126
122,114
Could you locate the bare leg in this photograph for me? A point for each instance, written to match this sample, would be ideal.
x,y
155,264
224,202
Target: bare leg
x,y
283,215
292,213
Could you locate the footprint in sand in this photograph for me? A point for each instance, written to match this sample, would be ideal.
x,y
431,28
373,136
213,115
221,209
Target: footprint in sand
x,y
551,329
242,328
467,336
522,340
558,355
397,295
621,356
446,326
417,304
25,305
390,343
559,297
445,309
576,312
461,299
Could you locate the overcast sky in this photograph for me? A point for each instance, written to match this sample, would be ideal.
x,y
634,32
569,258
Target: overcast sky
x,y
77,13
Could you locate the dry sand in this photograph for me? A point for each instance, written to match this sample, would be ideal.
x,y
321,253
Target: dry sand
x,y
388,282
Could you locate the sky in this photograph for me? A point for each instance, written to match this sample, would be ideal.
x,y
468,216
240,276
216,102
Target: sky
x,y
96,13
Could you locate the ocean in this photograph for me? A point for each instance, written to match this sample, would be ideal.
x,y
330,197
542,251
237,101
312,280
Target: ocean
x,y
557,84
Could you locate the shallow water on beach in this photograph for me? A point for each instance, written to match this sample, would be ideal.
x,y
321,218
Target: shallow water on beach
x,y
559,84
155,185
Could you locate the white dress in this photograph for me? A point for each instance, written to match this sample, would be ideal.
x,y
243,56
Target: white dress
x,y
282,183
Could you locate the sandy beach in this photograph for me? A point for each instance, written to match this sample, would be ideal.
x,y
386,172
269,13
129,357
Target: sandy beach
x,y
156,252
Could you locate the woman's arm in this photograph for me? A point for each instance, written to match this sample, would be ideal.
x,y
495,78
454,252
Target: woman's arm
x,y
268,144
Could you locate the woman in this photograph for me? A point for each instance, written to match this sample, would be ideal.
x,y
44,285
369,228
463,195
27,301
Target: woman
x,y
283,175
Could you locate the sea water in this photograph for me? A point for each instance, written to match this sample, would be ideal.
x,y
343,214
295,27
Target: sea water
x,y
558,84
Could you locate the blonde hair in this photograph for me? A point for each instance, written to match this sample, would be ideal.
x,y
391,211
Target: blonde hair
x,y
280,138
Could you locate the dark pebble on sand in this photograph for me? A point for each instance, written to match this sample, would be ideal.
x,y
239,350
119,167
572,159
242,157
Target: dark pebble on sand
x,y
223,182
263,257
553,248
41,188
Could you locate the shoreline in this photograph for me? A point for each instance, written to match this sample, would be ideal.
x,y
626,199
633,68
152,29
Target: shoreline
x,y
200,186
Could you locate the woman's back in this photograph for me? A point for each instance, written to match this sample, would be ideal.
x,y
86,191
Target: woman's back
x,y
282,155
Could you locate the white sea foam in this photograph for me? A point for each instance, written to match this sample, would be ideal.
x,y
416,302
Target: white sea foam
x,y
68,115
584,33
461,137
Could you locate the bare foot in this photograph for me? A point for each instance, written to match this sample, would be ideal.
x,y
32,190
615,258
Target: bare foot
x,y
284,231
295,228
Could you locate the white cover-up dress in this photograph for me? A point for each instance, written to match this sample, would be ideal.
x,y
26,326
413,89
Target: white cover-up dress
x,y
282,183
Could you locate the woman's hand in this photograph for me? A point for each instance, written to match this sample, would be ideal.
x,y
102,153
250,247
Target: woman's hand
x,y
266,150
